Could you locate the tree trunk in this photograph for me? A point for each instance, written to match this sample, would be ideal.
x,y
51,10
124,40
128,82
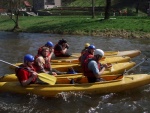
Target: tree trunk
x,y
16,21
93,9
107,9
137,7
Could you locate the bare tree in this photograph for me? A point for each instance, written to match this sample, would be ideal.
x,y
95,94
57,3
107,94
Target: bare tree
x,y
14,6
107,9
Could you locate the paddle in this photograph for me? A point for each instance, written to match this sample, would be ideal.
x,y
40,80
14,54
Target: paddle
x,y
42,76
143,60
126,72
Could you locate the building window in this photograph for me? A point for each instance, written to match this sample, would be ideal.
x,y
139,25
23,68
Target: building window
x,y
49,2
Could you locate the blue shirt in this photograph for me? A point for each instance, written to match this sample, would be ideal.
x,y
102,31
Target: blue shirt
x,y
92,65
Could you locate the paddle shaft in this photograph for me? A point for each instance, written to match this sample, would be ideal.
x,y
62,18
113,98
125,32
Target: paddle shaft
x,y
13,65
8,63
144,59
131,68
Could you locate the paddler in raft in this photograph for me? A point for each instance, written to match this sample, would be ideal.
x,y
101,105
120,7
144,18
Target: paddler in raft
x,y
61,48
27,74
86,46
86,54
42,63
92,68
50,45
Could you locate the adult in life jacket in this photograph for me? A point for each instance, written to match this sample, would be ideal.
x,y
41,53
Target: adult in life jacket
x,y
50,45
88,54
61,48
42,63
26,73
93,69
85,48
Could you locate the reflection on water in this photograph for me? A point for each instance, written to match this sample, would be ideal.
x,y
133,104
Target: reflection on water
x,y
13,46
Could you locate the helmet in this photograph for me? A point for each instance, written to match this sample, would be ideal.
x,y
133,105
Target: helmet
x,y
28,58
99,52
91,47
49,43
87,45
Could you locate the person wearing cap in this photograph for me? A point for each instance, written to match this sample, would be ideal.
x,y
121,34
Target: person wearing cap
x,y
26,73
60,49
85,48
92,68
50,45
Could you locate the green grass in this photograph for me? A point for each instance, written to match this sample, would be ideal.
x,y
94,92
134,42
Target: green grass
x,y
81,25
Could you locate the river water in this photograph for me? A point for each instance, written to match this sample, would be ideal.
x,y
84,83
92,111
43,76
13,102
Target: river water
x,y
13,46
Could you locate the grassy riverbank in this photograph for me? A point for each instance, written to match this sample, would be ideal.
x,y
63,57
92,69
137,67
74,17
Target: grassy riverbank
x,y
134,27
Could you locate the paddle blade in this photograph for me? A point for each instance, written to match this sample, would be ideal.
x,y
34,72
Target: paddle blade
x,y
47,78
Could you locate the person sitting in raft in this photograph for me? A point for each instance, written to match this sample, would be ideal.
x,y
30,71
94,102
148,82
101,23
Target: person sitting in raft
x,y
60,49
85,48
50,45
27,74
93,69
42,63
89,53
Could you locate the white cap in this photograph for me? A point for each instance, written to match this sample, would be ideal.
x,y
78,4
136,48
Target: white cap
x,y
99,52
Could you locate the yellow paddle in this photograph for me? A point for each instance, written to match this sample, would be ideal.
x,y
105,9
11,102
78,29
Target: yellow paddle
x,y
42,76
47,78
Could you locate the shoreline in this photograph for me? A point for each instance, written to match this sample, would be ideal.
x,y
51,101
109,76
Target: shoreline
x,y
106,34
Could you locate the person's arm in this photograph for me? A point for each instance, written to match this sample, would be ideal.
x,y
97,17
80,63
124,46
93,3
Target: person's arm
x,y
64,51
23,78
94,67
64,48
105,66
51,53
67,45
28,81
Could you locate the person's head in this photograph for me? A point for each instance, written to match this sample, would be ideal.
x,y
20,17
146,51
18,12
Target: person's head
x,y
91,49
98,54
45,51
86,45
28,59
49,44
62,41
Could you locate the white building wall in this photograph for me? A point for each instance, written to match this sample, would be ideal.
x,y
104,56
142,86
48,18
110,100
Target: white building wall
x,y
58,3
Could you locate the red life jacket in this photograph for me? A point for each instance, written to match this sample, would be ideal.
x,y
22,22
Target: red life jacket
x,y
27,69
46,66
85,57
57,52
88,72
40,51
